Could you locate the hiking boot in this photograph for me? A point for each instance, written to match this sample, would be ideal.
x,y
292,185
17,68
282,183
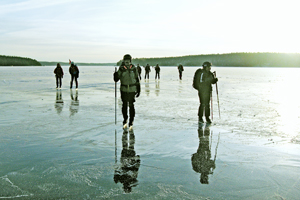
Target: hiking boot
x,y
208,120
131,128
201,120
125,124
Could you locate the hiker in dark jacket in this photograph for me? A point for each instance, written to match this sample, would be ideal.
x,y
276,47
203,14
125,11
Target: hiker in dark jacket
x,y
130,88
203,79
74,71
59,73
157,71
180,70
139,69
147,71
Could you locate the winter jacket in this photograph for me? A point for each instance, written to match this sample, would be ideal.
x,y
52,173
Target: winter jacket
x,y
74,71
157,69
203,80
180,68
58,71
139,69
129,78
147,68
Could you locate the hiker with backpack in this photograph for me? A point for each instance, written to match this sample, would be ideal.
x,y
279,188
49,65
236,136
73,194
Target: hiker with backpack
x,y
74,71
130,88
203,79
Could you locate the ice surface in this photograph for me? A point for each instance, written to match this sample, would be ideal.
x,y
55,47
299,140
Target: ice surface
x,y
64,144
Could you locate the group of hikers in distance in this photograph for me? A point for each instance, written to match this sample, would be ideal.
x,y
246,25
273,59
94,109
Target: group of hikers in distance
x,y
130,88
157,71
74,72
59,73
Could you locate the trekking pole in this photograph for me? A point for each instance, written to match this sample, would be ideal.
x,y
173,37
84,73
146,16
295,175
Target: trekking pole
x,y
217,95
211,105
116,151
115,99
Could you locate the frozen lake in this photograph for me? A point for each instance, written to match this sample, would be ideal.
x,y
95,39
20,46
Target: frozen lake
x,y
64,144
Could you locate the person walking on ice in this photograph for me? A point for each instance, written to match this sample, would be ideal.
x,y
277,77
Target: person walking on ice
x,y
130,88
203,79
74,71
147,71
157,71
59,73
139,69
180,70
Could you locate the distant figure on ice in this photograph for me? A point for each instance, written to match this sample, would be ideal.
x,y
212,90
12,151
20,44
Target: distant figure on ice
x,y
147,71
157,71
203,79
139,69
130,88
59,73
127,172
180,70
74,71
201,160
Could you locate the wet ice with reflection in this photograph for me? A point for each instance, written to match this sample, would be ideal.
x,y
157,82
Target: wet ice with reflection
x,y
51,155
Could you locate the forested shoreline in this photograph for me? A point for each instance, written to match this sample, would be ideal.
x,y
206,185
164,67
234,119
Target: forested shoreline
x,y
17,61
230,59
52,63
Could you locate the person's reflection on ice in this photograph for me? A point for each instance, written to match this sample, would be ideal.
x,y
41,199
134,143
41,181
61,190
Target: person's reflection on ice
x,y
74,103
127,171
201,160
157,87
59,102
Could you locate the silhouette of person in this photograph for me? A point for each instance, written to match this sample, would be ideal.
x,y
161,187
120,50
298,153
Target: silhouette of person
x,y
59,74
74,72
201,160
180,70
147,71
74,103
127,171
157,71
59,102
139,69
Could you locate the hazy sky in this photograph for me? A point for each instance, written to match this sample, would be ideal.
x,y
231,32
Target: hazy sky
x,y
105,30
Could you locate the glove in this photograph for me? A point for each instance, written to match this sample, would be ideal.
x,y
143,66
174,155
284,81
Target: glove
x,y
138,90
122,69
116,77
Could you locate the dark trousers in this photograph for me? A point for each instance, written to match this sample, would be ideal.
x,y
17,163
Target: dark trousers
x,y
157,75
73,78
128,99
147,75
58,81
204,97
180,75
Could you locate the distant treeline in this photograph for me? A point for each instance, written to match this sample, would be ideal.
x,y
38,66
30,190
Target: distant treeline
x,y
46,63
17,61
231,59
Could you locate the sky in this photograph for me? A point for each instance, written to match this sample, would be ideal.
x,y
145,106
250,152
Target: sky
x,y
101,31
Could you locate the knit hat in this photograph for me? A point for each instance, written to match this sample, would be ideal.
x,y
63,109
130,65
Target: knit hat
x,y
207,64
127,57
